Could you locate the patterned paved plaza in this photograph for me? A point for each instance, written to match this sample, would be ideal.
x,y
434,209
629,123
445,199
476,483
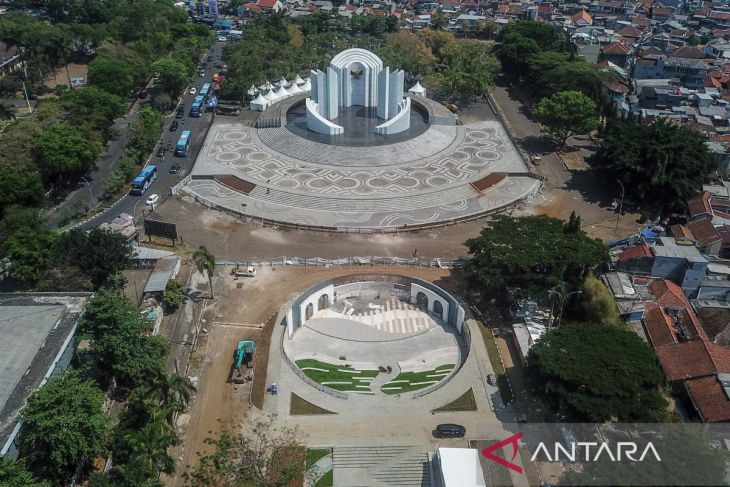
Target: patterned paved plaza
x,y
437,176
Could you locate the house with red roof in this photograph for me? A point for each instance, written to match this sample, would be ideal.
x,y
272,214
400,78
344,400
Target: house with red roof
x,y
270,5
582,19
617,53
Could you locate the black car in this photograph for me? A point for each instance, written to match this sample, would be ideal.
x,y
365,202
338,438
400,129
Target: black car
x,y
173,126
180,113
142,94
175,168
161,152
449,430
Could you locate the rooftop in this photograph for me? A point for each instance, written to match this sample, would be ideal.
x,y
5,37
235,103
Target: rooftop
x,y
36,329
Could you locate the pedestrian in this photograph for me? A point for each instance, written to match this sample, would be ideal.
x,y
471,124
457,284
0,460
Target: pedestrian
x,y
415,253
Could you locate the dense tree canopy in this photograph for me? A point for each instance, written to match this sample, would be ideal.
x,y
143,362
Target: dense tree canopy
x,y
661,165
14,474
532,253
100,254
63,151
597,304
598,372
566,113
112,75
63,425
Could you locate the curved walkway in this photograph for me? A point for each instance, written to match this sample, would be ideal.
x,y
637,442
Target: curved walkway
x,y
319,469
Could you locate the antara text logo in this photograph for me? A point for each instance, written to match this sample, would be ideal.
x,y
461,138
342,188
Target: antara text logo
x,y
581,451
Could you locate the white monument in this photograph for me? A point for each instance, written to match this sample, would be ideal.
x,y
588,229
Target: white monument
x,y
356,77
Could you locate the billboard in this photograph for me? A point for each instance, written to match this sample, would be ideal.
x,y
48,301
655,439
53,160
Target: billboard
x,y
157,228
201,9
213,8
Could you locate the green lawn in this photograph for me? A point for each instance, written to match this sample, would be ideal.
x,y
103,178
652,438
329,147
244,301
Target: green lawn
x,y
493,352
314,454
413,381
327,480
465,402
299,406
338,377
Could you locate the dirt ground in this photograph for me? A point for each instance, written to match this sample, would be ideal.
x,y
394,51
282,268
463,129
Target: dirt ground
x,y
74,70
234,314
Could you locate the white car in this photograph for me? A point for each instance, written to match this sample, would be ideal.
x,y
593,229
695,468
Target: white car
x,y
193,90
222,39
202,74
152,200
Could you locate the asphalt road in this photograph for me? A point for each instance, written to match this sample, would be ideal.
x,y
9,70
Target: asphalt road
x,y
132,204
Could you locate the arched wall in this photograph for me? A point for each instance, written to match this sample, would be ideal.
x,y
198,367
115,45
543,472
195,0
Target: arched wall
x,y
357,284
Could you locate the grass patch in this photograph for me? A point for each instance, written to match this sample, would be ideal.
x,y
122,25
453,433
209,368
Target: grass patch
x,y
299,406
413,381
465,402
338,377
314,454
327,480
493,351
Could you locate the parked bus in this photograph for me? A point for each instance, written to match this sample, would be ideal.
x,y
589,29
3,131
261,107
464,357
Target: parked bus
x,y
196,110
205,91
181,149
143,180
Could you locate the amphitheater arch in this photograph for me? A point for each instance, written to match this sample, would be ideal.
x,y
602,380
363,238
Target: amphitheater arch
x,y
438,309
323,302
422,301
308,312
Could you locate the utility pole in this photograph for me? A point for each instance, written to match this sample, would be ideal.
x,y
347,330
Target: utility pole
x,y
30,108
91,195
621,203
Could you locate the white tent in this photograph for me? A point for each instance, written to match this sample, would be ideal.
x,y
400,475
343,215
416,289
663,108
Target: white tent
x,y
270,96
259,104
294,89
283,82
265,86
281,92
298,80
417,89
252,91
307,86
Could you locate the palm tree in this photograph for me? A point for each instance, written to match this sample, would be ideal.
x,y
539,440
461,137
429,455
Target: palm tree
x,y
176,391
205,262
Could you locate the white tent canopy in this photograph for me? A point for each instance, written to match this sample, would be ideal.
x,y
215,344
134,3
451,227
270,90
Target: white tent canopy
x,y
281,92
307,86
283,82
270,96
295,89
417,89
252,91
298,80
259,104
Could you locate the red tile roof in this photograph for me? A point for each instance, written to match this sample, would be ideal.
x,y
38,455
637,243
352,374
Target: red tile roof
x,y
267,3
617,49
680,232
629,31
658,325
685,360
703,231
636,251
709,399
582,15
700,204
667,293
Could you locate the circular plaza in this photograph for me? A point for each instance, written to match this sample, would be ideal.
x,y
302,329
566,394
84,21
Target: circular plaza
x,y
358,160
374,335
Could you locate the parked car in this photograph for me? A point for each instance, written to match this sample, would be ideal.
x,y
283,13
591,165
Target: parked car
x,y
202,74
193,90
222,39
180,112
491,380
143,94
152,200
161,152
175,168
449,430
173,126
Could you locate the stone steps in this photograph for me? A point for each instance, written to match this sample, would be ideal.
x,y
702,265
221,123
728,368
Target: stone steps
x,y
382,204
402,466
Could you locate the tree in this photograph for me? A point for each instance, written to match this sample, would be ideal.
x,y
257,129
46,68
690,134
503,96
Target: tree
x,y
596,373
92,108
566,113
514,52
31,253
64,426
173,296
17,217
19,186
471,70
661,165
532,254
14,474
548,37
7,112
113,75
173,75
145,132
573,75
438,21
205,263
63,151
266,457
597,304
100,254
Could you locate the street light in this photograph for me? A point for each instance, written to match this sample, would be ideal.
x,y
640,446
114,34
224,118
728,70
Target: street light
x,y
91,195
621,204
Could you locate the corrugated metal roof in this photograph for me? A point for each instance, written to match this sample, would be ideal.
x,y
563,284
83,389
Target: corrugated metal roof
x,y
146,253
164,271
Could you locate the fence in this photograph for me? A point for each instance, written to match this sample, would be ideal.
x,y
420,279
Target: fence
x,y
450,263
301,375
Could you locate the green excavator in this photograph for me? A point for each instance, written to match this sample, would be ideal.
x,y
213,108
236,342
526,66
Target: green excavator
x,y
244,354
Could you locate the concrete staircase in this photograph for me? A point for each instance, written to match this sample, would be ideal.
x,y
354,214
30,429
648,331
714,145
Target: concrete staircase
x,y
402,466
